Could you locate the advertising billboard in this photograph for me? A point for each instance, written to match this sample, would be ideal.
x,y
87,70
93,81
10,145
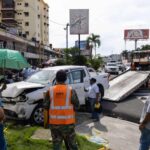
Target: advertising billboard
x,y
79,21
83,44
136,34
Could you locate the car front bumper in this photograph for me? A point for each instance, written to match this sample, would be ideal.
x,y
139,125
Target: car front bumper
x,y
19,111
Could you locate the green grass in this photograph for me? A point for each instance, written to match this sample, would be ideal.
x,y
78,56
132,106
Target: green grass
x,y
18,138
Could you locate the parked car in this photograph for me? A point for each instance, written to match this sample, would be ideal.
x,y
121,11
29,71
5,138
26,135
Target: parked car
x,y
121,66
112,67
23,100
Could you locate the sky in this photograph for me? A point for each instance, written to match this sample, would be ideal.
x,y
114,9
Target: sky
x,y
108,18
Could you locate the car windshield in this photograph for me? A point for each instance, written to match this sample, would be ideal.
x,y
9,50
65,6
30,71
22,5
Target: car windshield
x,y
42,77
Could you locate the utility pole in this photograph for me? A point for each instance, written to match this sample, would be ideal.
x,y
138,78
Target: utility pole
x,y
79,43
67,25
136,44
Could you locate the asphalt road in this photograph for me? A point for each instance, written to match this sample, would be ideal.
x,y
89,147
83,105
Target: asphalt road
x,y
129,109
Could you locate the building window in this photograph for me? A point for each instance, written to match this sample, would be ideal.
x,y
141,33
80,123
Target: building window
x,y
26,14
18,3
26,4
26,23
27,32
39,16
19,13
38,34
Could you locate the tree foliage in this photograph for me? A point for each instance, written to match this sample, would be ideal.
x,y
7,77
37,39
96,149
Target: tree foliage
x,y
60,62
96,62
71,57
125,53
145,47
93,41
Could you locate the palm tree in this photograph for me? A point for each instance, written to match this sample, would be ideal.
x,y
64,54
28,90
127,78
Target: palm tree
x,y
94,41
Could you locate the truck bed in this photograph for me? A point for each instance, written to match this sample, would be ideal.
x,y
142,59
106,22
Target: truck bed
x,y
125,84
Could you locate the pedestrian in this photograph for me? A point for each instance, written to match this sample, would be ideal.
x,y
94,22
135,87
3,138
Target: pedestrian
x,y
93,98
62,102
145,127
2,116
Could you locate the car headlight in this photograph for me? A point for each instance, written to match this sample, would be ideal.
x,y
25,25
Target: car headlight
x,y
21,98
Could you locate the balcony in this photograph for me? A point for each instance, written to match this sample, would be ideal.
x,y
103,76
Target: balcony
x,y
8,5
8,14
9,17
4,9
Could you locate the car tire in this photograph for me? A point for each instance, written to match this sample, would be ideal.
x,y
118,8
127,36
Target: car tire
x,y
37,116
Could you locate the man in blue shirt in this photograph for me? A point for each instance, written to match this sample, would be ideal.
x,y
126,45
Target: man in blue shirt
x,y
2,117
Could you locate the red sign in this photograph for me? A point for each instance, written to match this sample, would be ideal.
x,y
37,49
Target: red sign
x,y
136,34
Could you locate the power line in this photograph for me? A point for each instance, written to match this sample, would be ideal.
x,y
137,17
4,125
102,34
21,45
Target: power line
x,y
56,23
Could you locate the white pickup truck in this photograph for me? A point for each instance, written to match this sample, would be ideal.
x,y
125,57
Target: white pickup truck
x,y
23,100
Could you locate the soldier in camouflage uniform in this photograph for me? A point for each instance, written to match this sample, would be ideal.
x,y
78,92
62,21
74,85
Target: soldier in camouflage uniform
x,y
62,132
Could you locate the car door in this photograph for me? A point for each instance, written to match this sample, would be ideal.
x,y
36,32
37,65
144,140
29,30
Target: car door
x,y
77,83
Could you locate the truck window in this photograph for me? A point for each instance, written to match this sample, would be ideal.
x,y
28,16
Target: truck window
x,y
68,81
77,76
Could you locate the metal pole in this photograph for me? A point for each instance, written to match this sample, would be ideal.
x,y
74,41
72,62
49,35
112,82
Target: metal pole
x,y
135,44
67,35
125,44
79,43
67,25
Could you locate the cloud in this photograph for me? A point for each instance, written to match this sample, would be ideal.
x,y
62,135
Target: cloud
x,y
108,18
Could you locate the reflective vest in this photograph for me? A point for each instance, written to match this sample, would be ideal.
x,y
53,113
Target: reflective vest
x,y
61,110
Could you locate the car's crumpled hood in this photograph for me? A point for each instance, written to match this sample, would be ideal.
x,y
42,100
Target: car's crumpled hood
x,y
14,89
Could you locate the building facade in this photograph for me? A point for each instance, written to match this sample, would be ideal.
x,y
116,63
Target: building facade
x,y
30,18
35,53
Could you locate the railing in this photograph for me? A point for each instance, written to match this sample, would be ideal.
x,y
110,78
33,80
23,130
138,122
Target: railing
x,y
6,17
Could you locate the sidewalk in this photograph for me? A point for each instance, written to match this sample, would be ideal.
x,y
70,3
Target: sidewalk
x,y
120,134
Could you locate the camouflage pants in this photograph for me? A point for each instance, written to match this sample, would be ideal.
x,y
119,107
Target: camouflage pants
x,y
66,133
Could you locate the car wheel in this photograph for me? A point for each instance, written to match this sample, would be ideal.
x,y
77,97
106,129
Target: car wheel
x,y
38,115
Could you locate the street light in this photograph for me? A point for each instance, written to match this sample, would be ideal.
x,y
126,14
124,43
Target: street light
x,y
66,28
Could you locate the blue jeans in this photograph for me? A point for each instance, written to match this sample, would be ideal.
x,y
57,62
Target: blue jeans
x,y
145,139
2,139
92,102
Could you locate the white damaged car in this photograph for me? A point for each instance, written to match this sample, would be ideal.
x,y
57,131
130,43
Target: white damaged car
x,y
23,100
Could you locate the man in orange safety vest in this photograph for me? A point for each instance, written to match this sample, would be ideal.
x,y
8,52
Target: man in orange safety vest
x,y
61,105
